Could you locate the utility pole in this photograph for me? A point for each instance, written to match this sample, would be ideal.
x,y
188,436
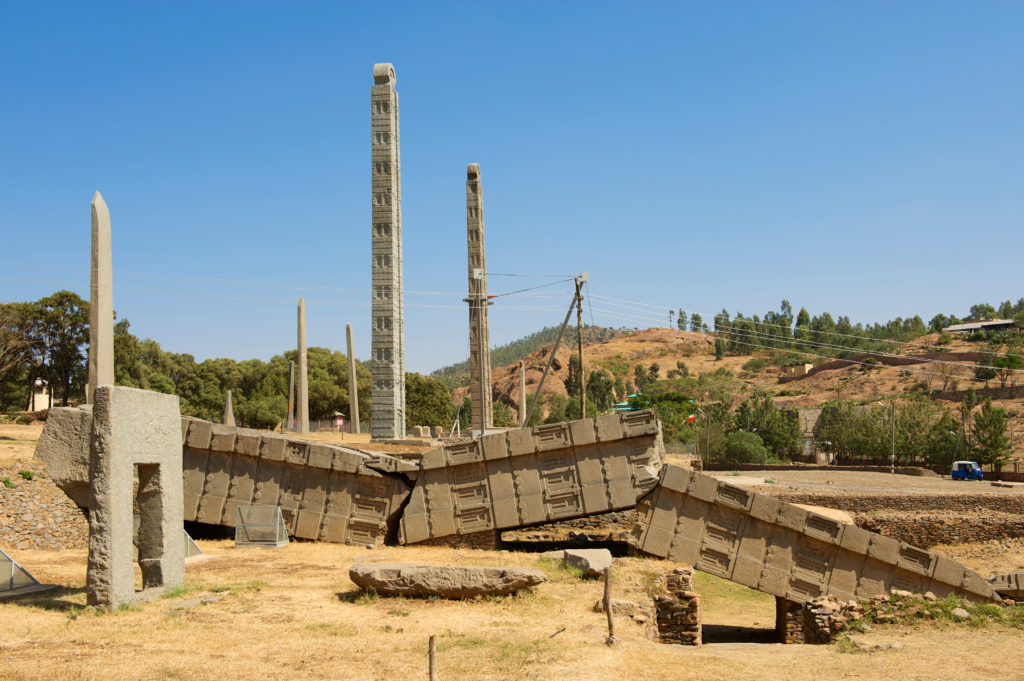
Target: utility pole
x,y
551,357
579,343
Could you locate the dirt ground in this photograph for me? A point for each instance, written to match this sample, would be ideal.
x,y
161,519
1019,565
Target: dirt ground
x,y
292,613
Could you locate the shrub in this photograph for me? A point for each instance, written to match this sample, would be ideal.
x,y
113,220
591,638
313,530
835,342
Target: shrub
x,y
25,420
754,365
28,475
744,447
945,338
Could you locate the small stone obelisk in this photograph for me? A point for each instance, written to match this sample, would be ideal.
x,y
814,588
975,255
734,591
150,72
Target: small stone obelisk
x,y
302,420
522,394
479,332
353,394
387,323
229,412
290,423
101,301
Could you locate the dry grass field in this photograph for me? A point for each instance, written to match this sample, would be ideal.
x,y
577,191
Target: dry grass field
x,y
292,613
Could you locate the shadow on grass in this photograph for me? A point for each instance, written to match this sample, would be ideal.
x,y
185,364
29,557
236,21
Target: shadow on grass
x,y
55,602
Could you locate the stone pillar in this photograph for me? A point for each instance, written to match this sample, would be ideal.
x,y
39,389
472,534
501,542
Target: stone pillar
x,y
387,328
229,412
302,420
479,331
101,301
290,423
136,434
353,395
522,394
678,609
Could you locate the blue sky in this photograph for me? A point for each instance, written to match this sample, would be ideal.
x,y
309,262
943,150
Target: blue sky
x,y
861,158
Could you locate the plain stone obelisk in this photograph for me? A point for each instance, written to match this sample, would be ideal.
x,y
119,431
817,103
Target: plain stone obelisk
x,y
387,323
302,420
479,329
229,411
290,423
101,301
353,394
522,394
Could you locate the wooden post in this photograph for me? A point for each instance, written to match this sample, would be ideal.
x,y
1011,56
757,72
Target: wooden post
x,y
611,640
433,659
579,346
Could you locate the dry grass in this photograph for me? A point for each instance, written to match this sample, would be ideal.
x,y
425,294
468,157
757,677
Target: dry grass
x,y
292,613
18,442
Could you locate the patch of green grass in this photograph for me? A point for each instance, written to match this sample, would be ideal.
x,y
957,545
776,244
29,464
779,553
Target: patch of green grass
x,y
711,587
178,591
735,474
28,475
8,484
451,639
770,481
651,582
845,645
252,586
398,613
555,569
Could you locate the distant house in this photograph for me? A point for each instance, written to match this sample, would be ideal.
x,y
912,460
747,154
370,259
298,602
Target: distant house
x,y
40,398
808,420
984,325
798,370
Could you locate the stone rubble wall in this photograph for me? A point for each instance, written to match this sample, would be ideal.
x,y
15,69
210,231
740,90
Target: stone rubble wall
x,y
815,622
37,514
930,529
677,609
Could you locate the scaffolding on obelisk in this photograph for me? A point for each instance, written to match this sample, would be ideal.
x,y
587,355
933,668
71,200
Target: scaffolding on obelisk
x,y
479,331
387,327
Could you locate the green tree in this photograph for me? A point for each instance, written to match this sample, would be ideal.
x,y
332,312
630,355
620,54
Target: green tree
x,y
1006,367
945,443
503,415
427,401
696,323
991,444
600,387
744,447
681,320
719,349
62,329
572,379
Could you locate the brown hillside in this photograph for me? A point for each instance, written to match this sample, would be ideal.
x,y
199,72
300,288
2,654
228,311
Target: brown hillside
x,y
696,350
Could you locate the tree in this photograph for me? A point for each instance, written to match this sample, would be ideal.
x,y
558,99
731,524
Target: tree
x,y
572,379
967,404
744,447
1006,367
599,388
991,444
681,320
945,442
427,401
62,331
719,349
641,378
983,311
803,322
653,371
696,322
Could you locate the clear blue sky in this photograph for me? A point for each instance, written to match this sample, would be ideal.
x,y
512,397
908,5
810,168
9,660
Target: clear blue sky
x,y
865,158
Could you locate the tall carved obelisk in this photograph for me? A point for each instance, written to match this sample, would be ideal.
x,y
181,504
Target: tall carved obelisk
x,y
302,419
479,332
353,393
101,301
387,327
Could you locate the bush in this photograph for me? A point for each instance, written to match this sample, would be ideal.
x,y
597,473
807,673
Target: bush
x,y
27,475
945,338
25,420
42,415
755,365
744,447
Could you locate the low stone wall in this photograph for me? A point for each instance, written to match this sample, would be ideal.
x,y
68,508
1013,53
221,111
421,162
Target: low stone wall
x,y
814,622
677,609
614,526
864,503
928,529
488,539
36,514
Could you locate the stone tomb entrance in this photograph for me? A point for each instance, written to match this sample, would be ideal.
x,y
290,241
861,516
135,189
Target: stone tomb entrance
x,y
136,435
